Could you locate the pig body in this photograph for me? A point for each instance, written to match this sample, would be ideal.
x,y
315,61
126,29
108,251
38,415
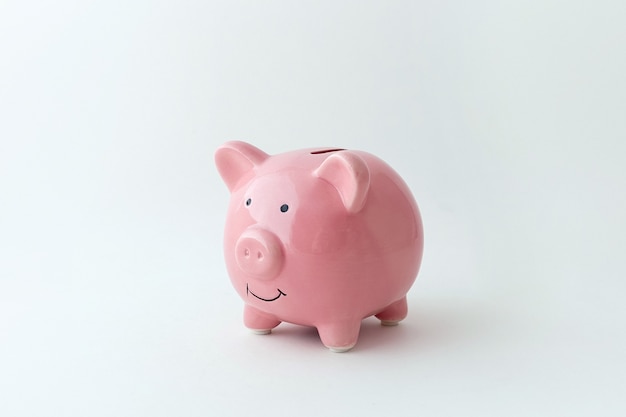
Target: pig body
x,y
319,237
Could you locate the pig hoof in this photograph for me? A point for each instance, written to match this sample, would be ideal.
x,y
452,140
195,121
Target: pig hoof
x,y
261,331
389,322
340,349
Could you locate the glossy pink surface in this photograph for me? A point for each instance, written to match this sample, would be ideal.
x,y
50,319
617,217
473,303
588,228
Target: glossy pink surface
x,y
319,237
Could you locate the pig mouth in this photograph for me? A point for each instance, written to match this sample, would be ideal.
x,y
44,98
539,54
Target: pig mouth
x,y
248,291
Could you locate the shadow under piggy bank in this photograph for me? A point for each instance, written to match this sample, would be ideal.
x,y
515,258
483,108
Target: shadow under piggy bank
x,y
430,325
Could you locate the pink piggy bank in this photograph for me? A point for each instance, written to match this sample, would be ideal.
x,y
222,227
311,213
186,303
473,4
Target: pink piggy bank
x,y
319,237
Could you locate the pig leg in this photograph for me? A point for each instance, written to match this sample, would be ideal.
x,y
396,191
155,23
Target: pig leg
x,y
393,313
340,337
258,321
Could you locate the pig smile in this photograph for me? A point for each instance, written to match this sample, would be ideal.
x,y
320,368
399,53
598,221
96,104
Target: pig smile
x,y
265,299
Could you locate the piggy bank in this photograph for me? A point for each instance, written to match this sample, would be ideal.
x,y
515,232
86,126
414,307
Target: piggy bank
x,y
318,237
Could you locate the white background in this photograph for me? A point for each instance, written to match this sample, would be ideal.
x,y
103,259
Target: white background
x,y
506,119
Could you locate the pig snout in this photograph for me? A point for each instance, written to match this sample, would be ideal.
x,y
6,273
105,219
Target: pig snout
x,y
258,252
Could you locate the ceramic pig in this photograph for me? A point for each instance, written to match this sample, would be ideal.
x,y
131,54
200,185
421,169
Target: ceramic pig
x,y
319,237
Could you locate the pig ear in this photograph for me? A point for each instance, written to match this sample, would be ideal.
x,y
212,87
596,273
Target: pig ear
x,y
235,159
349,174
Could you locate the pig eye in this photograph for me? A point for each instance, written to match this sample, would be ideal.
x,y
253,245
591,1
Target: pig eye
x,y
284,208
248,202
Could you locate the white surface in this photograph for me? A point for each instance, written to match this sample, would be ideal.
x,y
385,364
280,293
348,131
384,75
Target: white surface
x,y
506,120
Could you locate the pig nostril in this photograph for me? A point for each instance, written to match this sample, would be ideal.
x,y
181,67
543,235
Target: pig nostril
x,y
248,255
